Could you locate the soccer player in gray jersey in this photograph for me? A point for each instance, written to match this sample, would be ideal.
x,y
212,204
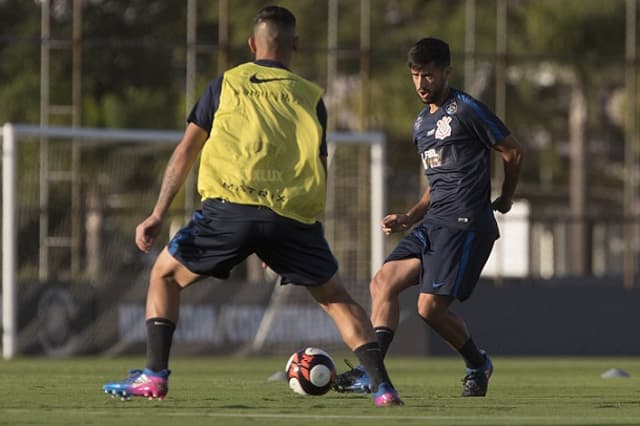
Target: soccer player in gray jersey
x,y
455,136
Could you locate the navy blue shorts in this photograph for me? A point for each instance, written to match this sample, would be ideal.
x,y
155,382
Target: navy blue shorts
x,y
221,235
410,246
452,258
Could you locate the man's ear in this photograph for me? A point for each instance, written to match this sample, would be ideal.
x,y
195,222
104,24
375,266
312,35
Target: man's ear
x,y
296,43
447,72
252,44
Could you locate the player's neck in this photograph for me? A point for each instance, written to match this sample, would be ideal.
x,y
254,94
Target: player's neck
x,y
433,107
282,57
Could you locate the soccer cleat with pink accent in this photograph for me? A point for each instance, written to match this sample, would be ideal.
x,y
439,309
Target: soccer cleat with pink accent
x,y
143,383
386,396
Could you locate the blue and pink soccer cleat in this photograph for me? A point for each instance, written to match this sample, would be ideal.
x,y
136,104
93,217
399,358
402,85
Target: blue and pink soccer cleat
x,y
356,380
386,396
143,383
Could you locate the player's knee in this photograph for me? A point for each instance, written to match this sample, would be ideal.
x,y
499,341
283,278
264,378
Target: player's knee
x,y
375,287
162,278
382,286
166,273
333,291
430,313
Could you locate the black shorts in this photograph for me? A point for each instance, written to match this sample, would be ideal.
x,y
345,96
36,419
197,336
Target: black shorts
x,y
452,258
221,235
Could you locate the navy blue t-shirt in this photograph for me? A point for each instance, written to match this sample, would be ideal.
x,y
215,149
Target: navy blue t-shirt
x,y
455,145
203,112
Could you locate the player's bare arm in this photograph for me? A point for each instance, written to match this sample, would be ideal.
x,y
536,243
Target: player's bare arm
x,y
401,222
511,152
180,163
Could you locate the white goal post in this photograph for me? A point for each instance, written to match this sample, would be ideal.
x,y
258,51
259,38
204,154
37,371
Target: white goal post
x,y
14,134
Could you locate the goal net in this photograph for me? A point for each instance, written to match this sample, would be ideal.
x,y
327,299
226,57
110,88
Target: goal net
x,y
74,283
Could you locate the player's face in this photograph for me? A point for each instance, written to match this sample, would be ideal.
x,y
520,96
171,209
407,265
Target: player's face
x,y
430,82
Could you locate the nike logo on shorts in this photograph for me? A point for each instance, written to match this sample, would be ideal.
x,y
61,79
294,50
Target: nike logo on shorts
x,y
436,285
256,80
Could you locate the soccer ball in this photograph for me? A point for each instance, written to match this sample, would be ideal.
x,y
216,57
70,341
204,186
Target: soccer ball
x,y
310,372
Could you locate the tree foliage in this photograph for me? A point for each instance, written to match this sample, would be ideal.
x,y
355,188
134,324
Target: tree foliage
x,y
133,63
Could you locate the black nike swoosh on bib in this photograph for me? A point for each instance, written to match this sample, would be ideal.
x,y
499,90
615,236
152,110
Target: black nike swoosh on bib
x,y
254,79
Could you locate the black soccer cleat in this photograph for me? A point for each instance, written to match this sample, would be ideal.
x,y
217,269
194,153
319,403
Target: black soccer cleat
x,y
476,382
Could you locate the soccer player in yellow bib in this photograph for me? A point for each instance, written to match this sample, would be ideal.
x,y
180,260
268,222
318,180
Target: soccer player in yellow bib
x,y
261,130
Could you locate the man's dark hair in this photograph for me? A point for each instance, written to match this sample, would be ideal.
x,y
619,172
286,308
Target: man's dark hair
x,y
429,50
277,15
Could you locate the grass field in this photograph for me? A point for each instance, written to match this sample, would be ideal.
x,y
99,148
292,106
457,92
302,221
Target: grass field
x,y
235,391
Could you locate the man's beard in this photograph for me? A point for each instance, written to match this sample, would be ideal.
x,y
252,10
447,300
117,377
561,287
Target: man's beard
x,y
433,96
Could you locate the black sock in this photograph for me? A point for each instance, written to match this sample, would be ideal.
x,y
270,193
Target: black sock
x,y
473,358
159,338
385,336
370,357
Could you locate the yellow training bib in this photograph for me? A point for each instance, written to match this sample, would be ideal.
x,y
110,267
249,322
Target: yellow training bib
x,y
264,147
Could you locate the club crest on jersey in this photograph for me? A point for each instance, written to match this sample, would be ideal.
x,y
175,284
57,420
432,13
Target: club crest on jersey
x,y
452,108
443,129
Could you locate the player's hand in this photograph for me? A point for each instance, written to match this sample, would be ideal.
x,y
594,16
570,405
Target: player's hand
x,y
147,231
502,204
395,223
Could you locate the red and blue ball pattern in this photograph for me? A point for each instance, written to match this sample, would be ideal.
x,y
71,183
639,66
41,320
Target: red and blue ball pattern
x,y
310,371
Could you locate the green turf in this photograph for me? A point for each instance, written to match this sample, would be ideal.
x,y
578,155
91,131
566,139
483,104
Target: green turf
x,y
235,391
